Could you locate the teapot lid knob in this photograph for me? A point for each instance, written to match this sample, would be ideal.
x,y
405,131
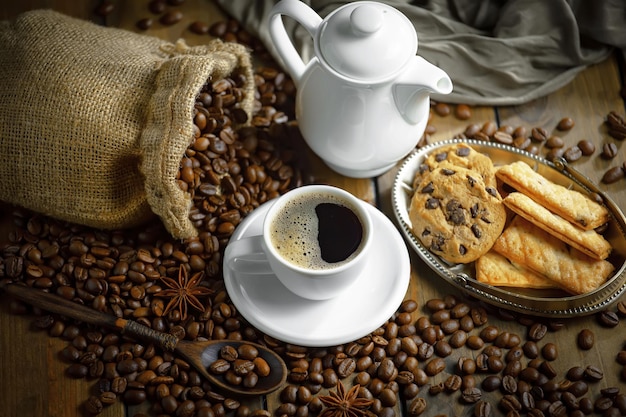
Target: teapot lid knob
x,y
366,19
366,41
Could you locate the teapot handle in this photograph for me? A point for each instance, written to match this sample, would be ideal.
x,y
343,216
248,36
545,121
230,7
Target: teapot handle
x,y
304,15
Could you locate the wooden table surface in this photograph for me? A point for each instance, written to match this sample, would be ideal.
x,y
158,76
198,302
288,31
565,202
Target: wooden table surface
x,y
33,379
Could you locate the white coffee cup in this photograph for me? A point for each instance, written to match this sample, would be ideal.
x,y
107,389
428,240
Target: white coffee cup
x,y
317,256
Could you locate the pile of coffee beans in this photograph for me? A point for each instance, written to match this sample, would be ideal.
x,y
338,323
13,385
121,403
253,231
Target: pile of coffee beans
x,y
228,171
240,366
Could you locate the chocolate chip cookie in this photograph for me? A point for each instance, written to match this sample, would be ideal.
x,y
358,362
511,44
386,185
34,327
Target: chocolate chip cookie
x,y
455,214
460,154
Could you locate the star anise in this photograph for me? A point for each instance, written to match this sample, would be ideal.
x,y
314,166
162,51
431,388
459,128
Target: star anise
x,y
184,292
345,404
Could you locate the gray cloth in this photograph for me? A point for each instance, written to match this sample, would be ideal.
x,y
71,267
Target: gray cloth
x,y
497,52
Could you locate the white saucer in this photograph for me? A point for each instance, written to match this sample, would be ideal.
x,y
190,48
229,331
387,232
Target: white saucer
x,y
266,304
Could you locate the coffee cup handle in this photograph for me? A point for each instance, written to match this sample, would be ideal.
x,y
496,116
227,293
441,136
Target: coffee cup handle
x,y
247,256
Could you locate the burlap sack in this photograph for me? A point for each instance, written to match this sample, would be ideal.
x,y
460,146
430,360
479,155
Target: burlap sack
x,y
94,121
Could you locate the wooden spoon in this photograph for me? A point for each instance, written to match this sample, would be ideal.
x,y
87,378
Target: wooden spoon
x,y
199,354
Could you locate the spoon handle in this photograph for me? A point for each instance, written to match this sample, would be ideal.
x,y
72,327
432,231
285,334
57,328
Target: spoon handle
x,y
60,305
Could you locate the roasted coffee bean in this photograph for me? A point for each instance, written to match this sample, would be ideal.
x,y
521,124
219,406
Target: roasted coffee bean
x,y
509,384
417,407
537,331
483,409
348,366
463,112
549,351
527,401
565,123
510,403
602,404
471,395
157,6
474,342
609,150
435,366
554,142
491,383
522,142
93,405
593,373
453,383
608,318
199,28
586,147
613,174
585,339
442,109
539,134
171,17
503,137
572,154
144,24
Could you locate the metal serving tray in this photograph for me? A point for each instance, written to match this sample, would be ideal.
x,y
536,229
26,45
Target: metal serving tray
x,y
544,303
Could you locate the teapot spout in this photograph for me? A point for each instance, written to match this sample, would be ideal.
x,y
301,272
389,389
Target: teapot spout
x,y
413,87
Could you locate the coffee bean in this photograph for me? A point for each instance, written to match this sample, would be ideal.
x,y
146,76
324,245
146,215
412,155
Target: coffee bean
x,y
539,134
171,17
453,383
510,403
565,123
435,366
572,154
509,384
521,142
602,404
613,174
442,109
417,407
471,395
503,137
157,6
587,147
537,331
483,409
609,150
549,351
144,24
593,373
608,318
585,339
199,28
554,142
491,383
463,112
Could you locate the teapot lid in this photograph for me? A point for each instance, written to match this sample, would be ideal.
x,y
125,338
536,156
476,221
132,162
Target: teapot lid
x,y
366,40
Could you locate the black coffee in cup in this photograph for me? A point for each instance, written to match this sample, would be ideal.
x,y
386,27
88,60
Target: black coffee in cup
x,y
317,231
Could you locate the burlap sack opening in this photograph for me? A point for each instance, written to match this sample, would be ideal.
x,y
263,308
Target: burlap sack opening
x,y
94,121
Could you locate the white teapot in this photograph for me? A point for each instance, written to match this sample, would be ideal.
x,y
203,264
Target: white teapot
x,y
363,100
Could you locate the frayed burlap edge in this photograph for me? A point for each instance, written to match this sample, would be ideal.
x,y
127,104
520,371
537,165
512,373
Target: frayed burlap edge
x,y
169,126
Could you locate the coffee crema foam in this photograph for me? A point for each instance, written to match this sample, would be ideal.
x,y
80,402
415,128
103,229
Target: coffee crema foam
x,y
294,232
